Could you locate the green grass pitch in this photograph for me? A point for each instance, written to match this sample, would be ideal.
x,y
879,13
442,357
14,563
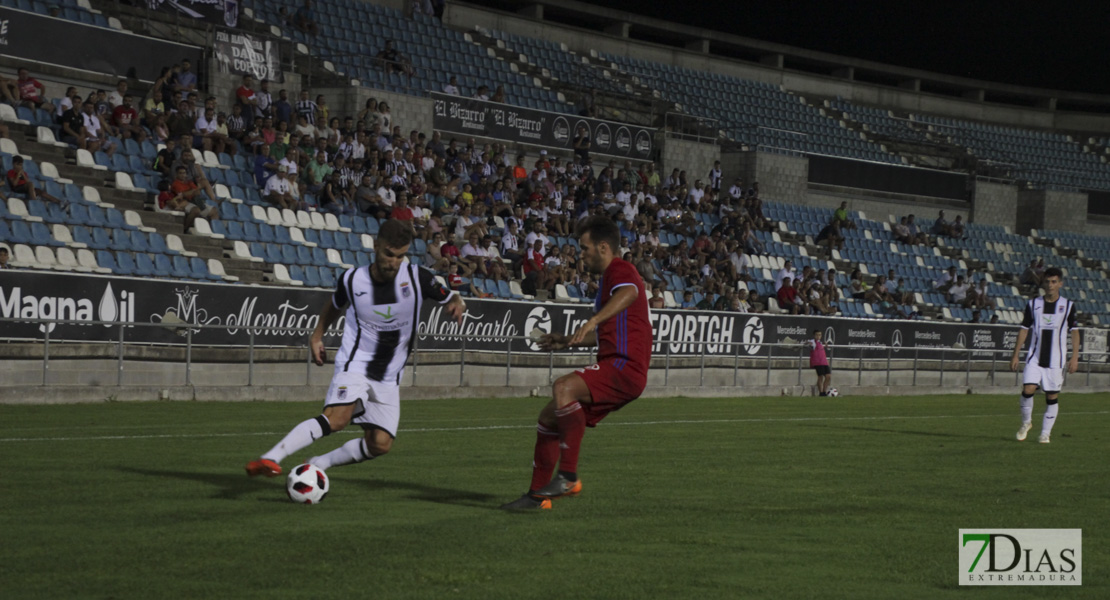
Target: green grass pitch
x,y
684,498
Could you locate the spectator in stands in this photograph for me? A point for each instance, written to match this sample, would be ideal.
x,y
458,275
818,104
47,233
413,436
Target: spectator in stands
x,y
787,295
946,280
857,287
204,132
386,115
901,232
4,264
279,190
510,245
317,171
1029,277
126,119
582,143
536,277
195,173
786,272
185,196
498,95
307,109
978,296
73,128
976,316
840,216
957,292
71,99
332,199
264,166
994,319
283,110
116,97
31,92
957,229
20,182
185,80
941,226
305,19
9,90
246,98
831,235
916,236
482,93
95,135
154,107
392,61
452,87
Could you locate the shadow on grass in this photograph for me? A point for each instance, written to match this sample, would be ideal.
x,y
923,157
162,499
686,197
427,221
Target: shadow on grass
x,y
428,493
941,434
229,486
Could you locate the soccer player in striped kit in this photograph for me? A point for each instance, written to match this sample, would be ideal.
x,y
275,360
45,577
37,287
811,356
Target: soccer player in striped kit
x,y
621,330
381,305
1050,318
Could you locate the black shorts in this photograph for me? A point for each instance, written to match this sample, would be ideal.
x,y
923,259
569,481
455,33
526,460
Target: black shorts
x,y
822,370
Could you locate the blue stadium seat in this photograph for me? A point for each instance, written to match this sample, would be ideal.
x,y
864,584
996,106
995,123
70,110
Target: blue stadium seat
x,y
144,266
289,255
107,260
312,276
162,266
180,267
296,272
266,233
273,253
125,263
200,270
327,277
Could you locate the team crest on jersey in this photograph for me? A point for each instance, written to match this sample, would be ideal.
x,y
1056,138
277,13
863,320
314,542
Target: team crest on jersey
x,y
406,291
342,392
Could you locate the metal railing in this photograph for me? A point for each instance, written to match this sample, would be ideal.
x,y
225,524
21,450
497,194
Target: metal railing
x,y
746,361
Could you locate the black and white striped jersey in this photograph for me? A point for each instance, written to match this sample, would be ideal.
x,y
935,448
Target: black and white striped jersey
x,y
1050,323
381,319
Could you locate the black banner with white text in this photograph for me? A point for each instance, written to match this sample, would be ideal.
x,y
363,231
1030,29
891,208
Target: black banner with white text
x,y
237,311
221,12
470,116
246,54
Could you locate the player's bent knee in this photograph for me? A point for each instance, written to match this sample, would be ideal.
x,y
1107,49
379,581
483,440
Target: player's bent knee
x,y
378,442
568,390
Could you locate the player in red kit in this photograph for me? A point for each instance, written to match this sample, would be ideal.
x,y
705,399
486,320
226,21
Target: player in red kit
x,y
621,330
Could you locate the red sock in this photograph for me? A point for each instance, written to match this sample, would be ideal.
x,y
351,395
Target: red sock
x,y
547,454
572,426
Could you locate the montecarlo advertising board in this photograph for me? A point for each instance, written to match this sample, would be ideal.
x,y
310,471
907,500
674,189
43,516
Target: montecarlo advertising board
x,y
480,118
236,311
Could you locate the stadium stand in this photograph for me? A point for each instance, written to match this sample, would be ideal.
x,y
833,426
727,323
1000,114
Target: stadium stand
x,y
712,246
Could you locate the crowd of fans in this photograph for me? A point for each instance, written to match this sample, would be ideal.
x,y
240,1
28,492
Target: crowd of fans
x,y
483,210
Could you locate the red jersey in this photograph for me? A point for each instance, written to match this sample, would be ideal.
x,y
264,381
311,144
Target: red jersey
x,y
627,336
124,116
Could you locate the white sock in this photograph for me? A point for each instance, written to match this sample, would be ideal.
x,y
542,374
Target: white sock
x,y
1050,412
350,453
300,437
1026,409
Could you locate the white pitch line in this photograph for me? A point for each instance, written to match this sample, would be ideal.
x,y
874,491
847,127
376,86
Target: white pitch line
x,y
498,427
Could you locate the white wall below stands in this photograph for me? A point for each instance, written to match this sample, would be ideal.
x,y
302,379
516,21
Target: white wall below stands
x,y
95,381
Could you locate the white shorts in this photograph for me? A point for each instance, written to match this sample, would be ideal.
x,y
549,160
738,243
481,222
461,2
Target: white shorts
x,y
1050,380
379,404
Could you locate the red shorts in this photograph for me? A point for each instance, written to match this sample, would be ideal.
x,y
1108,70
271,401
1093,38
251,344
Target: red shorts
x,y
610,388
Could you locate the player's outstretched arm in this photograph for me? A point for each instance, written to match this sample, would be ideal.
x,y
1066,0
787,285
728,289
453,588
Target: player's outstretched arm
x,y
621,300
328,315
